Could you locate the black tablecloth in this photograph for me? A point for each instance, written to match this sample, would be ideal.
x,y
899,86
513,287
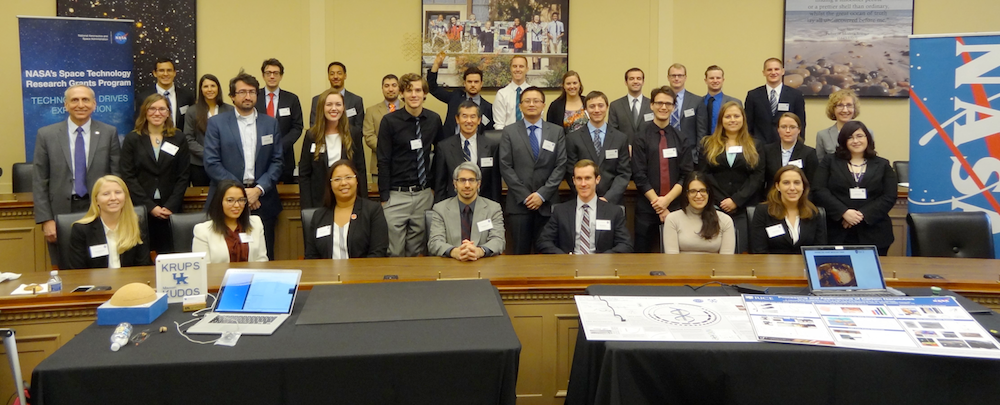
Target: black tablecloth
x,y
634,373
443,361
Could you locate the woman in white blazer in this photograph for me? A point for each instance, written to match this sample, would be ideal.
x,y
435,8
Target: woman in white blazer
x,y
231,234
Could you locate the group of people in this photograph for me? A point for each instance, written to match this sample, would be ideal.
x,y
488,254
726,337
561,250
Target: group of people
x,y
698,163
535,36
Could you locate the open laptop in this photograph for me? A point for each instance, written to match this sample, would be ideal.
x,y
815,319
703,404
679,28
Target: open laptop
x,y
845,271
252,302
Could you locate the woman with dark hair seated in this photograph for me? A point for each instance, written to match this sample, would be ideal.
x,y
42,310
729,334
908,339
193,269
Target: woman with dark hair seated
x,y
788,220
697,227
231,234
109,235
347,225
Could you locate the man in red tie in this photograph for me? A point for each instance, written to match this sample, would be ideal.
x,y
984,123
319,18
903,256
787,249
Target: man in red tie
x,y
283,106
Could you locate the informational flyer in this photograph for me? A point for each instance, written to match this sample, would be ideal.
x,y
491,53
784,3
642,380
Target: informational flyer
x,y
665,319
925,325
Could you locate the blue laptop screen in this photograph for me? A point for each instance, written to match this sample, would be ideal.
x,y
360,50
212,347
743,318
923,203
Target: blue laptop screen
x,y
257,292
849,268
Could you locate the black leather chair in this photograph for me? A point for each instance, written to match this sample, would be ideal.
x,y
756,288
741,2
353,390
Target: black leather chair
x,y
307,229
902,169
182,229
64,231
751,209
21,177
951,234
494,134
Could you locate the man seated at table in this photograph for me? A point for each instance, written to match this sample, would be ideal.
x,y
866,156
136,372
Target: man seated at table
x,y
586,224
466,227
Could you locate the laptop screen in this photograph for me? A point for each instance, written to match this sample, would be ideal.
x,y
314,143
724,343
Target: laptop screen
x,y
258,291
837,268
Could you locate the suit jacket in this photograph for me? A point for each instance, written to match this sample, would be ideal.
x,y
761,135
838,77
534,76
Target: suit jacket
x,y
826,141
52,179
195,137
373,120
289,124
525,175
812,232
559,234
446,227
314,174
356,122
761,123
646,165
615,173
620,116
454,98
224,157
833,185
185,100
368,235
84,236
449,155
705,127
144,173
806,155
207,240
695,124
740,182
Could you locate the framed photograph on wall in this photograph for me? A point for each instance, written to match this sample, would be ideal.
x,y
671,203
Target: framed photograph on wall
x,y
488,33
860,45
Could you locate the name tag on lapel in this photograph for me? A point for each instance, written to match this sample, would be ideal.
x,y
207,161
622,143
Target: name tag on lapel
x,y
245,237
611,154
323,231
859,194
486,162
485,225
648,117
775,231
352,112
169,148
782,106
603,224
689,113
284,112
98,251
735,149
669,153
486,120
796,162
183,109
267,140
549,146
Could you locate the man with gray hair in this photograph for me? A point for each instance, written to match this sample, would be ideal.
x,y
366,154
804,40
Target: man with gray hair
x,y
466,227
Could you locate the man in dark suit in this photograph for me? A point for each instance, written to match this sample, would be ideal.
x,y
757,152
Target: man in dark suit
x,y
532,163
69,157
284,106
600,143
473,79
466,227
244,146
628,112
586,224
354,105
469,146
709,108
180,98
685,117
765,104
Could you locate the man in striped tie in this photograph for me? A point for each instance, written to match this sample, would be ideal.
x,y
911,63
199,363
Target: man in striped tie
x,y
587,224
469,146
766,103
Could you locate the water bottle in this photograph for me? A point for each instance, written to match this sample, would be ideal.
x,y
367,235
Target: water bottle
x,y
120,337
55,283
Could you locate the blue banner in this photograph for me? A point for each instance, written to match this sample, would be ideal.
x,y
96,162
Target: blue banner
x,y
954,130
57,53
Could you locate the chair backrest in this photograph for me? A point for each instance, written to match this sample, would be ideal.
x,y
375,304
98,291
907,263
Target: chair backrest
x,y
951,234
64,232
182,229
22,173
742,227
902,169
494,134
307,229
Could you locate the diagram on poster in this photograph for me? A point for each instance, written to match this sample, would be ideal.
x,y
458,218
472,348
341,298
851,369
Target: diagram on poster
x,y
666,319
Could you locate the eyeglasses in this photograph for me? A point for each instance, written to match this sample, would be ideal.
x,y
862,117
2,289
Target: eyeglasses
x,y
845,106
788,127
160,110
857,136
466,181
245,93
661,104
235,201
677,76
694,192
272,73
343,179
531,101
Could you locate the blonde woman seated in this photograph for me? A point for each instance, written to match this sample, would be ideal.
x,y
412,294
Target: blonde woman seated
x,y
109,236
788,220
697,227
231,234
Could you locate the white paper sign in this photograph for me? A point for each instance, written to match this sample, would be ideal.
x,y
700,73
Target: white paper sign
x,y
267,140
859,194
284,112
611,154
352,112
486,162
549,146
735,149
689,113
416,144
774,231
245,237
485,225
169,148
603,224
648,117
98,251
782,106
180,275
796,162
323,231
670,153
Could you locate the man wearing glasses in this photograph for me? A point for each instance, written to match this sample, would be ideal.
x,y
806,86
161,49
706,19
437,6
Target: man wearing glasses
x,y
180,98
466,227
284,106
684,119
245,146
629,112
661,158
469,146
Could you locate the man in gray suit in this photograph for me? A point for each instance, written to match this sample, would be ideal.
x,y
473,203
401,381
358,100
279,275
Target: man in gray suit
x,y
628,112
685,118
532,163
466,227
708,108
69,157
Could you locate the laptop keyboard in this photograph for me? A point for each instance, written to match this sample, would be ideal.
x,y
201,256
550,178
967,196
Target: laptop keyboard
x,y
244,319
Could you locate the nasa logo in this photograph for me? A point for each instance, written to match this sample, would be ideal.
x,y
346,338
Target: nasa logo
x,y
121,37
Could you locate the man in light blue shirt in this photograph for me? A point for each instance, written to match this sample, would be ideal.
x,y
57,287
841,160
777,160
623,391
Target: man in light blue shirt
x,y
556,33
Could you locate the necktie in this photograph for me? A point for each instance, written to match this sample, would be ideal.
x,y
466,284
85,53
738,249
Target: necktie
x,y
421,175
467,152
270,104
664,165
466,223
597,143
392,107
583,244
517,108
675,117
711,113
774,101
533,141
635,112
80,165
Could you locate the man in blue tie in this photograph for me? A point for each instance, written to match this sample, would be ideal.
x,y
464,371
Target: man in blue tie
x,y
469,146
766,103
507,101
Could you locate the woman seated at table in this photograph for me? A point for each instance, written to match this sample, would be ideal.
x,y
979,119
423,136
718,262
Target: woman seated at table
x,y
698,227
858,189
791,150
109,235
788,220
568,111
231,234
347,225
328,141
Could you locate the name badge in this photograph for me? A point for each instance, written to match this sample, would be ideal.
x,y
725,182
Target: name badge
x,y
648,117
774,231
689,113
183,109
859,194
782,106
324,231
549,146
486,162
486,120
796,162
416,144
611,154
284,112
245,237
169,148
735,149
603,224
485,225
98,251
352,112
312,148
669,153
267,139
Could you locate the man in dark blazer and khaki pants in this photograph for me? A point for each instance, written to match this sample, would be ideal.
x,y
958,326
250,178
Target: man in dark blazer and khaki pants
x,y
284,106
763,112
613,157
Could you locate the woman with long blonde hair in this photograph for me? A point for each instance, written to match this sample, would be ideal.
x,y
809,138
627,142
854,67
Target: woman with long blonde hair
x,y
328,141
109,236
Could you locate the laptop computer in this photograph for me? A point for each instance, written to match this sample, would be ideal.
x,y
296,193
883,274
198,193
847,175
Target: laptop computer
x,y
845,271
252,302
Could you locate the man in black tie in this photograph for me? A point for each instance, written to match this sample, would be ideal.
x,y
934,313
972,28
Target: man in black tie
x,y
473,81
284,106
766,103
470,146
587,224
180,98
628,112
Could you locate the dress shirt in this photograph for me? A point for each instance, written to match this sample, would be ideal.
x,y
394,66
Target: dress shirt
x,y
267,96
713,116
538,135
72,144
173,100
400,127
388,109
638,104
579,222
793,231
238,251
604,133
114,261
505,103
473,144
555,29
334,149
340,240
777,94
786,155
248,136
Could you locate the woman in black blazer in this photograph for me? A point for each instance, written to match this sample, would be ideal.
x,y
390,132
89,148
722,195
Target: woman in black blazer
x,y
787,220
789,128
347,225
858,189
731,160
209,104
328,141
109,236
570,100
154,165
